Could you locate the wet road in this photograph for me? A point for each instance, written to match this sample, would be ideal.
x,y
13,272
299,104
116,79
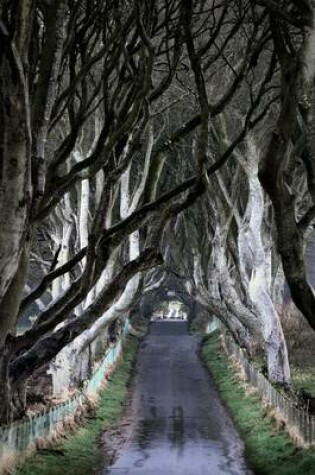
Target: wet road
x,y
179,426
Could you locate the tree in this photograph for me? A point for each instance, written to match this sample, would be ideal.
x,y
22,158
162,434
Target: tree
x,y
83,83
292,138
72,63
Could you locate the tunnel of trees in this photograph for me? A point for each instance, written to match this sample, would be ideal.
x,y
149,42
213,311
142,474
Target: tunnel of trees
x,y
150,144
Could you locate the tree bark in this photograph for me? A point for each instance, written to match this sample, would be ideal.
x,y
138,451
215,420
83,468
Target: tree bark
x,y
290,242
257,267
15,174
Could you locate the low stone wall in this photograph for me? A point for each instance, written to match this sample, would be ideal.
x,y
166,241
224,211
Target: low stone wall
x,y
24,435
298,423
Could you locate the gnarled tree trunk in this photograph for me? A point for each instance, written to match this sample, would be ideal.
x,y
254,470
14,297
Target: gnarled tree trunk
x,y
256,266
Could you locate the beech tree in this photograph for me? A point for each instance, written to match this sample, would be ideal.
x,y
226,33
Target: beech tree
x,y
84,88
226,256
293,34
61,63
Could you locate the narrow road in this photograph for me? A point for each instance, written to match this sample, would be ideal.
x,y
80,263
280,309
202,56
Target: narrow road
x,y
178,423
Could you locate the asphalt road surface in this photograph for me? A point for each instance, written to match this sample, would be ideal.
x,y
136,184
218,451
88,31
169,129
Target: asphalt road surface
x,y
177,423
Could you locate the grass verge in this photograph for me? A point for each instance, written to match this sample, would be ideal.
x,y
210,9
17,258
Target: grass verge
x,y
80,453
268,449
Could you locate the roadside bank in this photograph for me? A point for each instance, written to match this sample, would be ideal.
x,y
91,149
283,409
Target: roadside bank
x,y
268,448
81,452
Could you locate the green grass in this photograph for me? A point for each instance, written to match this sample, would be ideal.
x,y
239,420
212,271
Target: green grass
x,y
80,453
303,377
198,326
268,449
